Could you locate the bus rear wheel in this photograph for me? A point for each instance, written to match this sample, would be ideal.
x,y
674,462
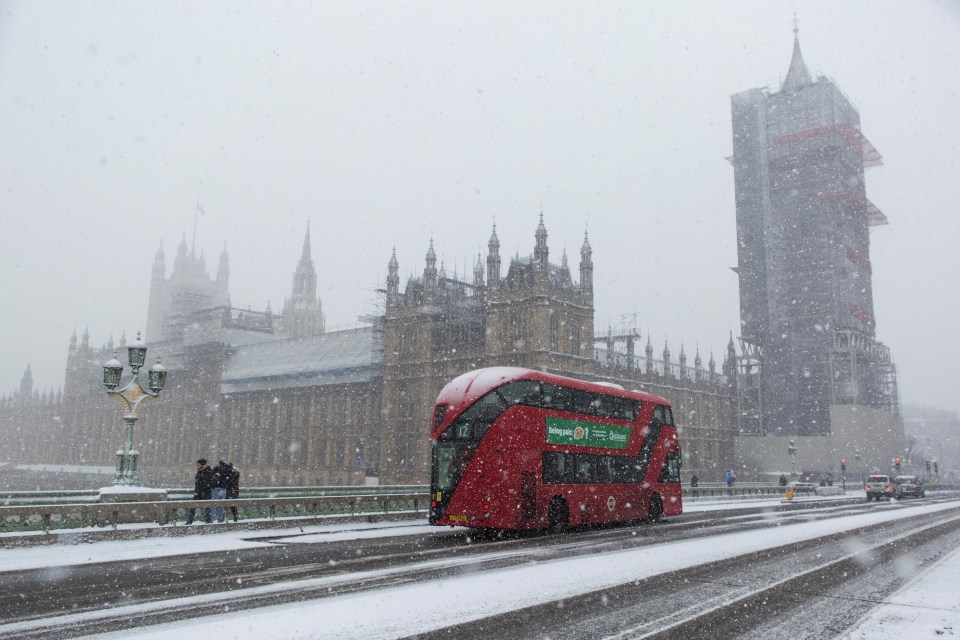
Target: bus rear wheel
x,y
656,508
558,515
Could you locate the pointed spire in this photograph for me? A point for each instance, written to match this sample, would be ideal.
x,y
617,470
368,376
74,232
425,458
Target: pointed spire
x,y
541,228
430,275
797,75
159,264
541,252
26,383
493,259
586,267
306,244
181,260
478,271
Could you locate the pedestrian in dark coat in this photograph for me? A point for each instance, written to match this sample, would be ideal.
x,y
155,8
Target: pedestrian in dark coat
x,y
233,488
221,480
203,483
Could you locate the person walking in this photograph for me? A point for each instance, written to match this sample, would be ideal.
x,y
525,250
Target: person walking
x,y
202,490
233,489
221,480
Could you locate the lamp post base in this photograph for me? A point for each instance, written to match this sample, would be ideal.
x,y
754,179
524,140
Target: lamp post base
x,y
126,472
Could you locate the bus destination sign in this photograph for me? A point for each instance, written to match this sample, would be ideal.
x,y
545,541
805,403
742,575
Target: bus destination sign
x,y
587,434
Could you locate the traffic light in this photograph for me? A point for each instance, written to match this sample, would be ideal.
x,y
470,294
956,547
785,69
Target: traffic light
x,y
928,467
843,464
896,465
936,471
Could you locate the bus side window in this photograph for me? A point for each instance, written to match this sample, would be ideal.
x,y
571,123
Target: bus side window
x,y
622,469
663,414
623,408
671,468
521,392
557,467
605,470
584,473
585,402
555,397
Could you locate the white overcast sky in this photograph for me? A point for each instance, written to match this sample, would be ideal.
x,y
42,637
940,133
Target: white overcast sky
x,y
387,123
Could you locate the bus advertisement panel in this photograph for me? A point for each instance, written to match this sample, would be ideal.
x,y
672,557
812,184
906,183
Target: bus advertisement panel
x,y
520,449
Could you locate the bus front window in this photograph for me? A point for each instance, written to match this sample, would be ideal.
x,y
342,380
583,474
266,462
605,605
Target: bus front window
x,y
444,466
474,422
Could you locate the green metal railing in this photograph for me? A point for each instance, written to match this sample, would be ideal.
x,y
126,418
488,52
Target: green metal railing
x,y
47,516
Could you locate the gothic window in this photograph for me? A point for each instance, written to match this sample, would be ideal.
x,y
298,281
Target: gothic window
x,y
408,342
404,455
575,339
554,334
406,411
358,455
270,427
321,452
518,330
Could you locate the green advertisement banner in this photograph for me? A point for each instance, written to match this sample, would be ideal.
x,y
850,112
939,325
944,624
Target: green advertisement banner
x,y
587,434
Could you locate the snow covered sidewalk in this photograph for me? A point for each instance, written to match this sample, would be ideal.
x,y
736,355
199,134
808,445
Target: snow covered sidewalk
x,y
926,607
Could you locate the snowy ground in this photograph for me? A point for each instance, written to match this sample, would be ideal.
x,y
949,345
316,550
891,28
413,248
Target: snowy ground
x,y
927,607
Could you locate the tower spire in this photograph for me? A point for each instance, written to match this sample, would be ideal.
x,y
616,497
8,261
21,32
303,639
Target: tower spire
x,y
306,244
302,311
797,75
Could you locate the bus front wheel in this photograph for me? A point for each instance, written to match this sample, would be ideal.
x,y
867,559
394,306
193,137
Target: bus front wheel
x,y
558,515
656,508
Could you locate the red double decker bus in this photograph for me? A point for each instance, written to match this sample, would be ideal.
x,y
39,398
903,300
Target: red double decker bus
x,y
520,449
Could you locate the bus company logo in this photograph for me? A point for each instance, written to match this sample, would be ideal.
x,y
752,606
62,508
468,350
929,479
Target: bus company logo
x,y
611,503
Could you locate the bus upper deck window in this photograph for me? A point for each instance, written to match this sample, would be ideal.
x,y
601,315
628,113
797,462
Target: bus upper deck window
x,y
521,392
663,415
555,397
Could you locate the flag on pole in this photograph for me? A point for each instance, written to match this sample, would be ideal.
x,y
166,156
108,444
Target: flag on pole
x,y
200,209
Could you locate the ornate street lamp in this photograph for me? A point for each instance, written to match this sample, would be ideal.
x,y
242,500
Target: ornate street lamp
x,y
132,395
792,450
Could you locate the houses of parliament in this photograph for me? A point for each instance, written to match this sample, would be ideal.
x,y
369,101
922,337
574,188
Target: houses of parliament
x,y
293,404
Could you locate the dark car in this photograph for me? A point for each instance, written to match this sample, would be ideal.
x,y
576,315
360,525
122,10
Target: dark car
x,y
878,487
908,486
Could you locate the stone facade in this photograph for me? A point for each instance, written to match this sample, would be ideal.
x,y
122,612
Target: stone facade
x,y
303,406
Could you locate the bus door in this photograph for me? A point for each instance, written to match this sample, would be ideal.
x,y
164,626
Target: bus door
x,y
528,495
